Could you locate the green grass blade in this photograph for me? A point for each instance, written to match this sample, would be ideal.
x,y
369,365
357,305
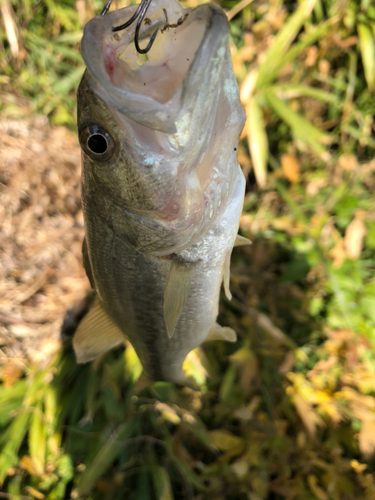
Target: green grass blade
x,y
302,129
162,484
367,47
293,91
275,55
257,139
68,82
13,439
37,439
59,48
104,457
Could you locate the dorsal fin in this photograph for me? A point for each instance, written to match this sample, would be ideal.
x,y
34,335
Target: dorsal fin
x,y
176,294
95,334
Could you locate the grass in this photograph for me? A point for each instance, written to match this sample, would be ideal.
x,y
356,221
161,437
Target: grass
x,y
289,411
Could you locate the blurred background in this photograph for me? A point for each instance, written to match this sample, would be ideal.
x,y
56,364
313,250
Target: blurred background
x,y
288,412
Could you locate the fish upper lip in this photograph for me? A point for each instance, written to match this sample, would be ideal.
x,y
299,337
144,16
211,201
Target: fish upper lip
x,y
142,108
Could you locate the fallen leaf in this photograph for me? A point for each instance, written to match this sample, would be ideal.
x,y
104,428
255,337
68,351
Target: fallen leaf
x,y
287,363
316,490
354,234
348,162
224,440
28,465
311,56
35,493
338,253
290,167
358,467
11,373
366,439
309,417
168,413
240,468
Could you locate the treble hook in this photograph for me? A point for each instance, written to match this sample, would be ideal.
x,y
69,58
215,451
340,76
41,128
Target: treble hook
x,y
140,13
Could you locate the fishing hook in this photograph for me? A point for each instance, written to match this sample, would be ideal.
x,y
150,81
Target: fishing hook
x,y
140,14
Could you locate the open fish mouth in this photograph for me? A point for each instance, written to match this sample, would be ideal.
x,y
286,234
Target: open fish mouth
x,y
190,45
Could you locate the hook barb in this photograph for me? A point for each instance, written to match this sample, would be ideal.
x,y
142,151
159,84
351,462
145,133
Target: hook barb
x,y
106,8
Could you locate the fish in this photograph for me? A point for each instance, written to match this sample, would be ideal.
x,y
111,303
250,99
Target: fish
x,y
162,190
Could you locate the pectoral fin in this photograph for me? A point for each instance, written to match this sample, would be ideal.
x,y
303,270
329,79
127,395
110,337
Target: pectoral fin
x,y
218,332
176,294
241,241
86,263
95,334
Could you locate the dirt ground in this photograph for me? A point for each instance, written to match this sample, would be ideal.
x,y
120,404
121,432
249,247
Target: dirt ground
x,y
41,232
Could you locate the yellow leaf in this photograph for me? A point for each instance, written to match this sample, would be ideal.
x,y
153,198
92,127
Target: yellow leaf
x,y
354,234
194,368
224,440
366,438
28,465
282,223
247,363
317,490
348,162
132,364
357,466
321,397
307,414
290,167
35,493
240,468
288,363
246,413
168,413
11,373
338,253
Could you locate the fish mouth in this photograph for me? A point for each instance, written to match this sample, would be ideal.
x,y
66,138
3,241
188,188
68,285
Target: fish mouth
x,y
154,90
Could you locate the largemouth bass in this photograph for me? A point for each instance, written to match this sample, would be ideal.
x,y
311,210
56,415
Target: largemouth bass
x,y
162,189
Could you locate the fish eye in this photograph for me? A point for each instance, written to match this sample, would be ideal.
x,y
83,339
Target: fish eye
x,y
96,142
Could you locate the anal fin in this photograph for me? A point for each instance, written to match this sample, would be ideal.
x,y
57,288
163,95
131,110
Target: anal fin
x,y
95,334
218,332
176,294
